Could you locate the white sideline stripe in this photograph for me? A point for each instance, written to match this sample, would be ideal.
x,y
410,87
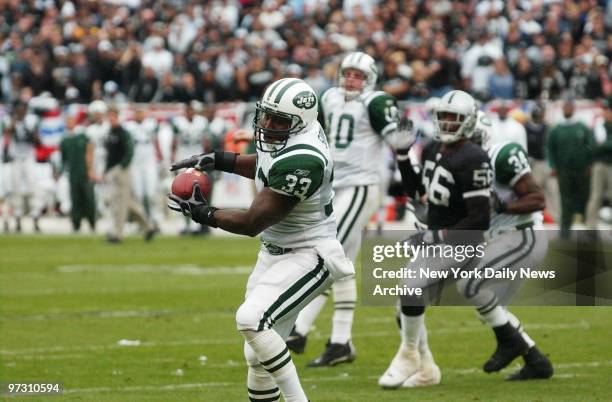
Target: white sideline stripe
x,y
68,314
225,341
340,377
71,291
146,268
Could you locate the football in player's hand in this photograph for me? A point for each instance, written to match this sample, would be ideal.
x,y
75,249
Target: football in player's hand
x,y
182,185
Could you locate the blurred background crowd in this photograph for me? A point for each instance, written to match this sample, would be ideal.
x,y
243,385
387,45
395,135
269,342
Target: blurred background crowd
x,y
178,78
223,50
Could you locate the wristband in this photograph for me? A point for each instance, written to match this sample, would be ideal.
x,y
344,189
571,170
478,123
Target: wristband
x,y
225,161
205,215
503,207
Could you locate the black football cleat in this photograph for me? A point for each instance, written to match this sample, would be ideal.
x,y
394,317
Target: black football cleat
x,y
335,353
537,367
510,345
296,342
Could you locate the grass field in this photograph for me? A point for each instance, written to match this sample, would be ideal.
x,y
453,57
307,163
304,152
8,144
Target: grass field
x,y
67,302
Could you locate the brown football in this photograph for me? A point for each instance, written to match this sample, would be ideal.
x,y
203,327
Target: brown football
x,y
182,185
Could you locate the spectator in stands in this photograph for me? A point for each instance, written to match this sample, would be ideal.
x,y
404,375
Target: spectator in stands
x,y
215,42
527,82
146,87
501,82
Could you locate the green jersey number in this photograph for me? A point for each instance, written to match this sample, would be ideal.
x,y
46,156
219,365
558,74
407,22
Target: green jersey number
x,y
344,130
302,184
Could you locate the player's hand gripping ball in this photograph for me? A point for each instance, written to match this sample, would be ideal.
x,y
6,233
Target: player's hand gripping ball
x,y
182,185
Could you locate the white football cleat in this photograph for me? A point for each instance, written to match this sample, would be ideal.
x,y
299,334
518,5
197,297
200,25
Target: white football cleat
x,y
428,374
405,363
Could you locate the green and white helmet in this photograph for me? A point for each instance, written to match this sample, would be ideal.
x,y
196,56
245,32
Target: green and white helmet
x,y
455,116
288,107
364,63
482,131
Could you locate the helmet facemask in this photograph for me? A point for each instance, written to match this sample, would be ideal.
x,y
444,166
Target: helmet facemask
x,y
273,128
454,117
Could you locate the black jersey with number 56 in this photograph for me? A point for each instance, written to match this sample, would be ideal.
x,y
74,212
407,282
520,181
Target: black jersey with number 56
x,y
449,178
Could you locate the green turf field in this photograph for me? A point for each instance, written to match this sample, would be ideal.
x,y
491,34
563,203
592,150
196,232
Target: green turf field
x,y
66,303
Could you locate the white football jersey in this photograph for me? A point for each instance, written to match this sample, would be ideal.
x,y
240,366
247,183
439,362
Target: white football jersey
x,y
190,135
21,145
303,169
97,134
509,163
356,131
144,135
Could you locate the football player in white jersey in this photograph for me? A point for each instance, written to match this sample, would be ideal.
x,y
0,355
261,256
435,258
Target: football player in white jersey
x,y
189,139
300,255
97,132
512,242
22,137
5,167
359,121
144,168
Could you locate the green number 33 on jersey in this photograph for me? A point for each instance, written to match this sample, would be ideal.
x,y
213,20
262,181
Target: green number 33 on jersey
x,y
298,187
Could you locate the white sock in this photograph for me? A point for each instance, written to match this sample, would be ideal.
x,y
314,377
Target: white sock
x,y
309,314
345,299
496,317
342,325
514,321
411,329
274,356
260,384
424,350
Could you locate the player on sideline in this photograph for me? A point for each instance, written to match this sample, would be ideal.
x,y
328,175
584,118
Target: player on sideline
x,y
359,121
300,255
456,178
512,242
144,169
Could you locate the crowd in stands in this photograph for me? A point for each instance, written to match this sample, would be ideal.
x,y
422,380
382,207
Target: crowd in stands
x,y
224,50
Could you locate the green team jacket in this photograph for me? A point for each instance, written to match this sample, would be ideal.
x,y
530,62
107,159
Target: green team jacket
x,y
74,150
569,146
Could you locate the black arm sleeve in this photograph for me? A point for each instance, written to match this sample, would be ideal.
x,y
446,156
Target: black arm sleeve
x,y
411,180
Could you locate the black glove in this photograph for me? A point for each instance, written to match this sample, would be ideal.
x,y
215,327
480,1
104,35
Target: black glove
x,y
196,207
497,204
425,237
405,124
225,161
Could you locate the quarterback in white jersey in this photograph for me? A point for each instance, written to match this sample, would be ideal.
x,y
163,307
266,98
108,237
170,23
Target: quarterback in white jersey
x,y
360,123
300,255
144,167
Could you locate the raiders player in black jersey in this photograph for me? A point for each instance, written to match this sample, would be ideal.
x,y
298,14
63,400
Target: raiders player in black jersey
x,y
455,177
